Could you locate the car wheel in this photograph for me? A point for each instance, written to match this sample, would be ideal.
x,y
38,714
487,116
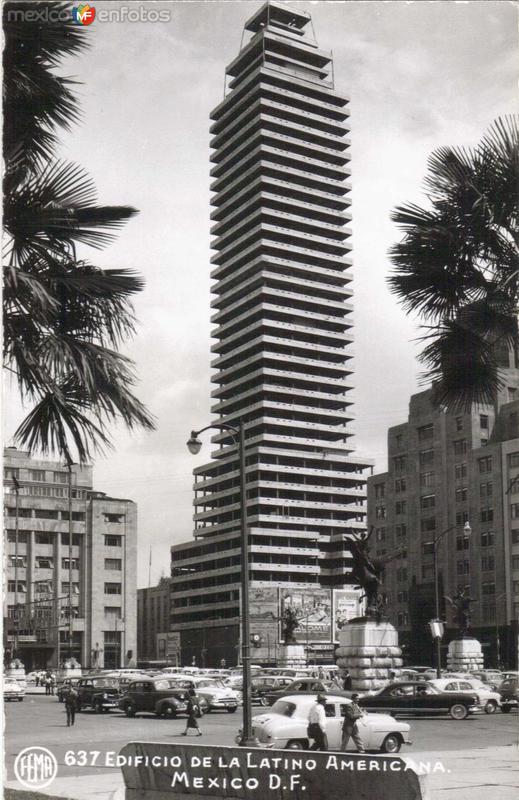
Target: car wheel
x,y
490,707
297,744
458,711
506,709
231,710
98,708
169,712
264,702
129,710
391,744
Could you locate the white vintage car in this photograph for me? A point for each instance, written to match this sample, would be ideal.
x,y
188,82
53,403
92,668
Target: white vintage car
x,y
285,725
488,699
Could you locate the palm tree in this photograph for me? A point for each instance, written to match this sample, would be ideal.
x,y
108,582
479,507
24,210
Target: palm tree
x,y
457,265
64,318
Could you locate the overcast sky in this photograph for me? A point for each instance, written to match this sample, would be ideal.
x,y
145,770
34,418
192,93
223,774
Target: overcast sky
x,y
419,75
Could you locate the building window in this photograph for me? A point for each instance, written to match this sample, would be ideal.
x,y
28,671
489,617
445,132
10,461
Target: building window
x,y
399,439
487,563
425,433
485,489
37,475
513,460
462,543
462,567
400,464
426,479
400,485
460,447
515,562
488,588
427,548
515,535
487,538
403,619
403,596
45,513
19,561
76,539
61,477
461,494
42,562
514,510
23,513
428,524
484,442
428,501
22,536
113,563
11,586
485,464
460,471
426,457
380,512
65,589
483,422
114,518
112,588
401,531
65,563
401,505
459,423
487,513
11,472
380,490
515,587
77,516
380,534
461,518
113,541
44,538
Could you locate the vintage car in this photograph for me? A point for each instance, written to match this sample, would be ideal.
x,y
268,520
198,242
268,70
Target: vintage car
x,y
488,699
304,685
284,726
216,694
13,691
421,698
509,693
99,692
65,686
161,696
492,677
263,686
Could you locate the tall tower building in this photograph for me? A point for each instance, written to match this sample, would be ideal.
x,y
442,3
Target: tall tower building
x,y
283,329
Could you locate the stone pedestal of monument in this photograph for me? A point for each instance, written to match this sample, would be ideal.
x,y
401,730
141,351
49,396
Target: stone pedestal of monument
x,y
291,655
70,669
464,655
369,651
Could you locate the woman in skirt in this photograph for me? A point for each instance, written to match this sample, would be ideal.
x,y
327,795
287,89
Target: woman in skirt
x,y
192,711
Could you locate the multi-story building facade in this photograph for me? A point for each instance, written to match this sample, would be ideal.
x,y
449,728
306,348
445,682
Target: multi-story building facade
x,y
447,469
152,620
283,329
46,620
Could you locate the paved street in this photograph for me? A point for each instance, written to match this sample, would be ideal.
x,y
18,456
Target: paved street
x,y
41,720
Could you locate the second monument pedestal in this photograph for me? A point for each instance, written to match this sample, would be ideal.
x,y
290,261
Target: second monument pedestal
x,y
369,651
291,655
464,655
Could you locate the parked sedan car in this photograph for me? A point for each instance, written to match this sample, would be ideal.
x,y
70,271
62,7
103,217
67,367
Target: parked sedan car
x,y
13,691
421,698
216,694
99,692
284,726
263,686
509,692
161,696
304,685
488,699
492,677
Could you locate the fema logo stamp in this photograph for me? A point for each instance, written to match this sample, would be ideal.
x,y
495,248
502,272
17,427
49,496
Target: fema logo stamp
x,y
35,767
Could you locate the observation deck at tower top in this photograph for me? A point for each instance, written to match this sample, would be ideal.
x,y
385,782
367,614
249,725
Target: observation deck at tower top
x,y
283,16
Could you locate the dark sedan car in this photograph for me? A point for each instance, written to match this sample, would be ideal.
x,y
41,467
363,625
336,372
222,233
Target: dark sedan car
x,y
160,696
419,698
98,692
304,686
509,691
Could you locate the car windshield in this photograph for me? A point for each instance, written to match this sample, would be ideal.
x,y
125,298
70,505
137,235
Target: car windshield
x,y
104,681
211,684
181,684
284,708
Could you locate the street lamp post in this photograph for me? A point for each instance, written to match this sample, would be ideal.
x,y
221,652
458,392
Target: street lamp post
x,y
194,445
498,642
438,639
70,616
16,537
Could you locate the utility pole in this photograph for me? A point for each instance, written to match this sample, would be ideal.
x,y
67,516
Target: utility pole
x,y
16,532
70,615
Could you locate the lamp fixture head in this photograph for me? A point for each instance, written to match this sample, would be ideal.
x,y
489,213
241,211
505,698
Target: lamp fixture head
x,y
194,444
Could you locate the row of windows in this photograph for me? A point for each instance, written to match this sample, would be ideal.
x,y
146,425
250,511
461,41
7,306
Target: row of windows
x,y
45,491
44,562
45,513
47,537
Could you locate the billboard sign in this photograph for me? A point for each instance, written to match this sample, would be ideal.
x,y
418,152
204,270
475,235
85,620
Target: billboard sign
x,y
313,608
346,605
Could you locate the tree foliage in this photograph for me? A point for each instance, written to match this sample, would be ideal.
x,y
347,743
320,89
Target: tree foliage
x,y
457,265
65,319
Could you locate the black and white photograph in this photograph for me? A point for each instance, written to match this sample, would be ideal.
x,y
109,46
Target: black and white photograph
x,y
260,400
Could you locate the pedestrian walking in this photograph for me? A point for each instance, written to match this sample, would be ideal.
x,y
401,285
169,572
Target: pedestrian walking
x,y
346,683
48,681
317,724
193,710
71,699
349,726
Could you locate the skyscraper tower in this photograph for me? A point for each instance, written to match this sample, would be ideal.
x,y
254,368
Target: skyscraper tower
x,y
282,316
